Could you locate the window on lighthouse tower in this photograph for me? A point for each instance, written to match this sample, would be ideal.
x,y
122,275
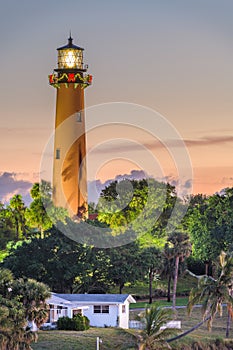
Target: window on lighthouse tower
x,y
58,153
79,117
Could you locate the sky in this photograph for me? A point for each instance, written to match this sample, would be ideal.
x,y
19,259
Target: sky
x,y
173,57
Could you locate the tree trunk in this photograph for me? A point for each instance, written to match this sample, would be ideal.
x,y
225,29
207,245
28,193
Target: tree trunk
x,y
188,331
175,282
228,324
17,230
41,232
207,268
121,286
150,285
169,288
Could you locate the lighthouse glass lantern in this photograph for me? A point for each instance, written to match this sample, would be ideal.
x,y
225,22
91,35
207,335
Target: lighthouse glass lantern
x,y
70,68
70,56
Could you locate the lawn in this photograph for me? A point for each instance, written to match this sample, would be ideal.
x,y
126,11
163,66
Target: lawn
x,y
118,339
115,339
160,302
139,289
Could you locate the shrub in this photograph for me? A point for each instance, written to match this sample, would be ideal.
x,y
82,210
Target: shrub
x,y
196,265
77,323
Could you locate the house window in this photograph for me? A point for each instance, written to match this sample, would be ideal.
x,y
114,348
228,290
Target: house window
x,y
101,309
105,309
97,309
79,117
77,312
59,310
58,153
123,309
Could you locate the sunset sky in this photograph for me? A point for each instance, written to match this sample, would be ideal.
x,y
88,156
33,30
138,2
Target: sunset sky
x,y
174,57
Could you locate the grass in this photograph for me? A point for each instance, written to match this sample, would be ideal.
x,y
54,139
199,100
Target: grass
x,y
185,283
160,302
118,339
115,339
201,335
218,329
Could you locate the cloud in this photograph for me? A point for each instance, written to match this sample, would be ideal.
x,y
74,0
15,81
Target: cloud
x,y
136,146
209,140
13,183
227,181
96,186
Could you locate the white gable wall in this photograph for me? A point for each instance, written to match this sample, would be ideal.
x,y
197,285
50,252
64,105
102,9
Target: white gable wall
x,y
102,319
123,316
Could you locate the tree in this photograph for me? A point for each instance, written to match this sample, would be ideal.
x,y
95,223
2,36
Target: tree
x,y
212,293
168,268
94,275
20,301
210,222
6,229
180,248
143,206
41,213
154,335
17,213
124,264
151,265
55,260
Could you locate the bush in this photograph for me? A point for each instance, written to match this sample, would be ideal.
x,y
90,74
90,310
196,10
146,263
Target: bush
x,y
195,265
77,323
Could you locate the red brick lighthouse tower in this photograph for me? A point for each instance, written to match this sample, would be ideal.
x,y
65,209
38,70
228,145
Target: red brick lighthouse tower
x,y
69,167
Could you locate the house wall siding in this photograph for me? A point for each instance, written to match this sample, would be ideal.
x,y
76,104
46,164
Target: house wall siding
x,y
102,320
124,316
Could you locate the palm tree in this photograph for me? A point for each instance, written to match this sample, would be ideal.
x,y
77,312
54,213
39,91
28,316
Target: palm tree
x,y
168,271
33,296
20,301
12,324
180,248
17,209
154,334
212,293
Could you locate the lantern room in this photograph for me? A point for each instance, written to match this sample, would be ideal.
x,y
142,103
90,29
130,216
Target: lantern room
x,y
71,69
70,57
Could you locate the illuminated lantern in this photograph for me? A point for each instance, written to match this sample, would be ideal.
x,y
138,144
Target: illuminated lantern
x,y
70,56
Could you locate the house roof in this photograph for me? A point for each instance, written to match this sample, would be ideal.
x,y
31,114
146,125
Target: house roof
x,y
55,300
96,298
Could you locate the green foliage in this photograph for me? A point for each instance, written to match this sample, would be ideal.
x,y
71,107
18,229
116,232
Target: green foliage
x,y
54,260
196,265
152,263
41,213
154,334
212,293
143,206
77,323
16,214
178,247
20,301
124,264
209,221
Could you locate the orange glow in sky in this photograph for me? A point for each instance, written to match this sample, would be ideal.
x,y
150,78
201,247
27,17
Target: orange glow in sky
x,y
174,57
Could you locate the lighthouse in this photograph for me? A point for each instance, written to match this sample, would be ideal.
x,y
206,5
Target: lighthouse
x,y
69,161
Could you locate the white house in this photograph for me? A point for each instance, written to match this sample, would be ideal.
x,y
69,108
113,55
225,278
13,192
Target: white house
x,y
103,310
